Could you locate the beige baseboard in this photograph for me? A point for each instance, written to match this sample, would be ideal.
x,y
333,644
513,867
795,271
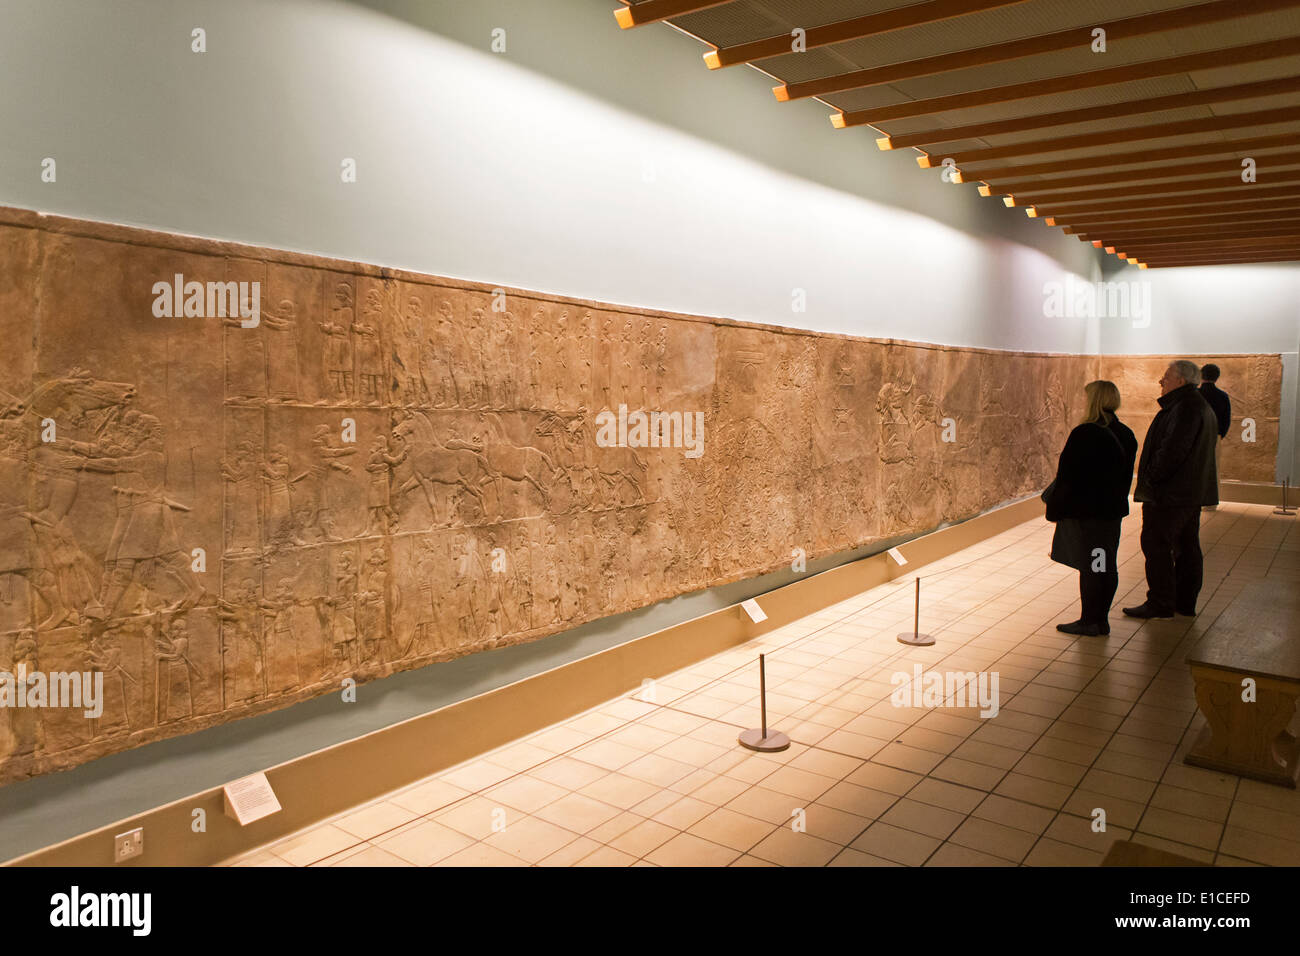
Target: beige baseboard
x,y
1257,493
327,782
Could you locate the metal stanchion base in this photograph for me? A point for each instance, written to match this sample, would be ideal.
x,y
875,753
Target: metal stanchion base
x,y
916,640
754,740
1284,511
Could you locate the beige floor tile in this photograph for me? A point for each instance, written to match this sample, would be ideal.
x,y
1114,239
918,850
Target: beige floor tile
x,y
476,816
1181,828
313,845
525,793
1191,803
837,826
530,839
859,801
950,796
922,818
950,854
764,804
655,769
1118,785
1259,847
373,856
876,776
997,839
572,853
520,756
827,763
731,829
1054,853
692,751
720,790
425,842
568,773
853,745
750,861
620,791
577,812
1041,793
897,844
968,773
377,818
481,854
798,783
851,857
786,847
428,796
903,757
1081,831
684,813
643,838
1014,813
1122,813
606,753
687,850
476,775
608,856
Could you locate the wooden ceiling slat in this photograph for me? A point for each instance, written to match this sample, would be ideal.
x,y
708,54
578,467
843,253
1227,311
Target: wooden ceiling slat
x,y
1150,104
1105,230
1127,28
652,11
1153,205
1267,166
1245,147
1159,255
1193,216
873,24
1198,203
1207,124
1230,180
1223,262
1282,234
1168,66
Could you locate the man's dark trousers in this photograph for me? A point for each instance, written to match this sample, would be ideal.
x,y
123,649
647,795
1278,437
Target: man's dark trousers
x,y
1171,544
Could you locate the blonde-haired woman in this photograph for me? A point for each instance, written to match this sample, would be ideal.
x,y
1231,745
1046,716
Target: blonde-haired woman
x,y
1088,500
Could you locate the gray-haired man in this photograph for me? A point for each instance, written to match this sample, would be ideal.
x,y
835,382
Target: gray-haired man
x,y
1176,477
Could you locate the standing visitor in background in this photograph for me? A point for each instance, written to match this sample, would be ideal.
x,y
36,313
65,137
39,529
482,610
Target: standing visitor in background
x,y
1218,400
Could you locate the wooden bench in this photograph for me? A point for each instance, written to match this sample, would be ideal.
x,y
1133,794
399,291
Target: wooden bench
x,y
1257,637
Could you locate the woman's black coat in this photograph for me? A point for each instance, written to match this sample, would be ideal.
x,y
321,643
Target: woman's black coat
x,y
1094,473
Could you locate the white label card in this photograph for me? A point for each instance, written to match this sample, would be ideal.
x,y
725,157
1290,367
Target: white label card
x,y
897,556
250,798
754,611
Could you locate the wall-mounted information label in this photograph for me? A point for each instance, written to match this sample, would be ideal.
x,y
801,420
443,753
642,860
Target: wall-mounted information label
x,y
897,556
754,611
250,798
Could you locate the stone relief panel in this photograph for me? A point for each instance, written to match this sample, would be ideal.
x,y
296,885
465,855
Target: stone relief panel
x,y
211,518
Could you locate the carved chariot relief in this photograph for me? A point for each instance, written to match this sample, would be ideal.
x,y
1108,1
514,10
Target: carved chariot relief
x,y
391,471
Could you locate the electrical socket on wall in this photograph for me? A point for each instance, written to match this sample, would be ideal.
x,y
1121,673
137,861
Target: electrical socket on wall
x,y
128,845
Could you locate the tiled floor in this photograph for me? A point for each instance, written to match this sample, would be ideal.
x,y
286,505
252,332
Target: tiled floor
x,y
657,778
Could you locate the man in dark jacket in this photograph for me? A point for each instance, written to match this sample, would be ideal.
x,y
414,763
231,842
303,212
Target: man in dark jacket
x,y
1176,477
1222,406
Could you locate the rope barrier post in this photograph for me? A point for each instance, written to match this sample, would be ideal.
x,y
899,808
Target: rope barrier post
x,y
759,739
1284,510
916,638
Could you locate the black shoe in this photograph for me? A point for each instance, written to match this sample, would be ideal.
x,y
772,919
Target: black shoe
x,y
1147,611
1079,627
1185,613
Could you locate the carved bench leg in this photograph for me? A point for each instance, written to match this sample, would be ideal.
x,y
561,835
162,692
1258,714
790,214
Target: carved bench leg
x,y
1246,738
